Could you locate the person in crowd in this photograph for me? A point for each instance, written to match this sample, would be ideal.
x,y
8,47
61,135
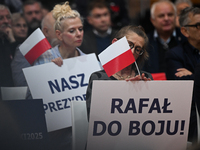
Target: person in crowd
x,y
69,31
32,11
164,37
19,27
6,38
138,41
47,26
19,62
182,59
101,34
180,5
20,31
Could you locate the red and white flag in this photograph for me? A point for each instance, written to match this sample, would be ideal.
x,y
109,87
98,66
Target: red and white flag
x,y
35,45
116,57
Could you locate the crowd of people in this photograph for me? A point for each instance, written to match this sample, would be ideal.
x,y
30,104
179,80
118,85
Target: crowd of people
x,y
172,47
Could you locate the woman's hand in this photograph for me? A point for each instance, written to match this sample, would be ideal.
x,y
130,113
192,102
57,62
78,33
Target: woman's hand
x,y
58,61
138,78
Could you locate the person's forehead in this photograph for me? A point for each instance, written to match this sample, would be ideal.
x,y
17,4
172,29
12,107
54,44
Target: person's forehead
x,y
30,7
4,12
20,21
134,37
98,10
72,23
194,18
162,7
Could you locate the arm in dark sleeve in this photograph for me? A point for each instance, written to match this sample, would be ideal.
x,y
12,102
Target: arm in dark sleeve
x,y
197,86
174,62
89,92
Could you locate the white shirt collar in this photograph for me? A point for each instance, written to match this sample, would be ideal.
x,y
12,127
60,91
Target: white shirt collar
x,y
155,35
108,32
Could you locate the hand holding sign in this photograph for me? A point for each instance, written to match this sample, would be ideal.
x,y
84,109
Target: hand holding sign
x,y
138,77
58,61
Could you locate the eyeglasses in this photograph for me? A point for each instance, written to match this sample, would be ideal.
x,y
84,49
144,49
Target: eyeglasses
x,y
138,49
197,25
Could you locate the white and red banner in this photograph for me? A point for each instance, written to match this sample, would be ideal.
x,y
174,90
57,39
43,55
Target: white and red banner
x,y
116,57
35,45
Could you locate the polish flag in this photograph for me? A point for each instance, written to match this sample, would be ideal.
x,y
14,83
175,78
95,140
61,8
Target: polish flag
x,y
35,45
116,57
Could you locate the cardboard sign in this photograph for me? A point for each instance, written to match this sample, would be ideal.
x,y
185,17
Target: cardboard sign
x,y
139,115
58,86
23,125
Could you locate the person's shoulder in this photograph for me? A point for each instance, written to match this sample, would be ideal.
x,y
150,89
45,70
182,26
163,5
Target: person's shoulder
x,y
150,33
88,33
99,75
177,49
46,57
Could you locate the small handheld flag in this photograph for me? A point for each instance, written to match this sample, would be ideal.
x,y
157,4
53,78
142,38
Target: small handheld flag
x,y
35,45
116,57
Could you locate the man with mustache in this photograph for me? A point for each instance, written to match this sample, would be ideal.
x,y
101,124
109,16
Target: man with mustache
x,y
32,11
6,38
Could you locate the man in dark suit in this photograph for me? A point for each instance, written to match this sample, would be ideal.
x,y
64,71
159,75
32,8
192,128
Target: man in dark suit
x,y
6,40
182,60
164,37
99,37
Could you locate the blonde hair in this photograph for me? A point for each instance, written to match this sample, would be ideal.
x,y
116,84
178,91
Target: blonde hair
x,y
63,12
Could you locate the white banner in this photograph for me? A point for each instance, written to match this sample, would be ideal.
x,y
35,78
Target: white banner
x,y
57,86
139,115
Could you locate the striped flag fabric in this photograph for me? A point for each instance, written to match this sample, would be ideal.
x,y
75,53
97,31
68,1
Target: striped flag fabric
x,y
35,45
116,57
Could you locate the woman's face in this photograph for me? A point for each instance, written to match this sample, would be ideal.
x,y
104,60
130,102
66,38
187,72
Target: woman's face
x,y
72,35
20,28
135,41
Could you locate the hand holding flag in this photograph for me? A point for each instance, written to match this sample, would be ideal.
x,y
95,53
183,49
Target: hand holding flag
x,y
35,45
116,57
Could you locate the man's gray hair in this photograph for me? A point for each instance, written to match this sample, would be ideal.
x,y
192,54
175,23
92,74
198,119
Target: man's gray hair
x,y
2,7
184,16
153,7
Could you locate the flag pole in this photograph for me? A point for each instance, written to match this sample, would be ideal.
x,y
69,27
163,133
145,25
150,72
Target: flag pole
x,y
138,69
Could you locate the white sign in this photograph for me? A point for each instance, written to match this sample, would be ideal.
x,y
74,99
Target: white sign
x,y
57,86
139,115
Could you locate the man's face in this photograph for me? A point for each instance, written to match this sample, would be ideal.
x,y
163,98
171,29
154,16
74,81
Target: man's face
x,y
20,28
5,20
193,32
33,15
164,17
100,19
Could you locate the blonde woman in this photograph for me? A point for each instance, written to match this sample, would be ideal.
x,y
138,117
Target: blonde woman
x,y
69,31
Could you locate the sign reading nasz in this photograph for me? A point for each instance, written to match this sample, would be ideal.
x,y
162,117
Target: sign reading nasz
x,y
58,86
139,115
